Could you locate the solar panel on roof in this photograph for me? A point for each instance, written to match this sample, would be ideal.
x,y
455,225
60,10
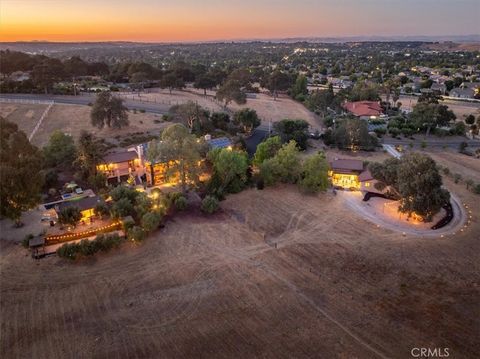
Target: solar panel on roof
x,y
221,142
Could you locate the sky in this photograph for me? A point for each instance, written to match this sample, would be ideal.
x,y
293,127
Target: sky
x,y
208,20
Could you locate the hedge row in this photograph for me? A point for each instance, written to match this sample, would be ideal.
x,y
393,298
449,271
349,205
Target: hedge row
x,y
102,242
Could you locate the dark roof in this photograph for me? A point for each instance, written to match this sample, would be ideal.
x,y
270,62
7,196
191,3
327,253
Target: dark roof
x,y
36,242
365,176
83,204
346,165
221,142
123,156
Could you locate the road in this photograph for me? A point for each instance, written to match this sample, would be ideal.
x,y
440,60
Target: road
x,y
87,99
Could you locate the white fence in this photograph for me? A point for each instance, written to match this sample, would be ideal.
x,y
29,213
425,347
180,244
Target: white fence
x,y
26,101
37,126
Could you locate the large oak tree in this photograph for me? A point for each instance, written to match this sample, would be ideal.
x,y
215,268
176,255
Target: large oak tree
x,y
20,172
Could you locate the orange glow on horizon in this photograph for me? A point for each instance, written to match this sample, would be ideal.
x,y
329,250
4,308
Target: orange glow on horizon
x,y
193,20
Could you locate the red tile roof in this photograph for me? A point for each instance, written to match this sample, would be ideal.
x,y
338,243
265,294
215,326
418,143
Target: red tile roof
x,y
364,108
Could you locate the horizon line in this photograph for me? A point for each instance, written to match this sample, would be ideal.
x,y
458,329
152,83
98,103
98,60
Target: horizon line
x,y
260,39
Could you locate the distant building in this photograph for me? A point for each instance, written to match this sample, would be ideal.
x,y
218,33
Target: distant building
x,y
465,93
364,109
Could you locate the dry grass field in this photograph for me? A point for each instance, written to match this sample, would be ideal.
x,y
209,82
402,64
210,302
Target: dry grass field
x,y
72,119
266,107
24,115
276,274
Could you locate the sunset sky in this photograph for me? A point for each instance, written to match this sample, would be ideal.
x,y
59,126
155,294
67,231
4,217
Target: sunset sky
x,y
197,20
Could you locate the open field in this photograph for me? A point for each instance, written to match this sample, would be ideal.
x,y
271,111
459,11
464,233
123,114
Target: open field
x,y
266,107
276,275
460,109
468,167
72,119
24,115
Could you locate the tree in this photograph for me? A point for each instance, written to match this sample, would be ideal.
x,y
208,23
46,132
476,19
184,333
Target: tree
x,y
363,91
151,221
278,81
314,176
352,134
191,115
181,149
70,215
46,73
267,149
323,100
430,116
136,234
284,167
205,82
299,89
247,118
416,181
108,111
231,90
470,120
229,169
296,130
171,81
90,152
122,208
20,172
60,150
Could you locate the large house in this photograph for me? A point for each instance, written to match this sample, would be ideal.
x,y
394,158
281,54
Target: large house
x,y
351,174
122,166
364,109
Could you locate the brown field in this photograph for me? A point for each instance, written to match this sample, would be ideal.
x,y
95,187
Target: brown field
x,y
266,107
24,115
468,167
460,109
276,275
72,119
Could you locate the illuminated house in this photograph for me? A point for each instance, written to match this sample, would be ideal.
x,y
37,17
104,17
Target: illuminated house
x,y
86,205
351,174
121,166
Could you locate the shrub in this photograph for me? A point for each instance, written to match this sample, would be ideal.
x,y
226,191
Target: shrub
x,y
151,221
102,242
394,132
457,177
476,189
136,234
101,210
181,203
68,250
210,205
70,215
423,144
